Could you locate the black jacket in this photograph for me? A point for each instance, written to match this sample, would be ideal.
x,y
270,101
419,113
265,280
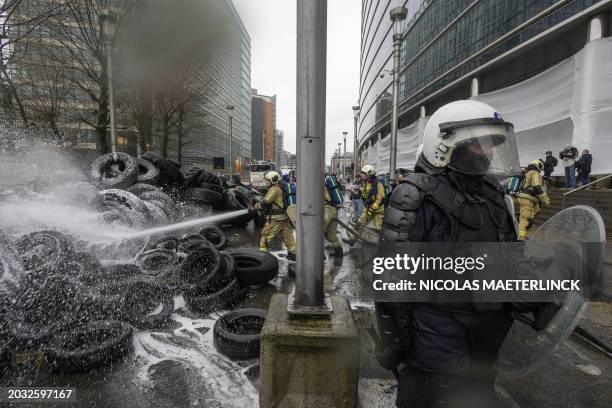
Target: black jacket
x,y
584,163
550,163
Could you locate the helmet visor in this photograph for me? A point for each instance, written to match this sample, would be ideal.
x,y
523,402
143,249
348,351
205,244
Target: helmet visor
x,y
486,149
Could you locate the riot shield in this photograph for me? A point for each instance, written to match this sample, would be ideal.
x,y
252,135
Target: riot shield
x,y
525,348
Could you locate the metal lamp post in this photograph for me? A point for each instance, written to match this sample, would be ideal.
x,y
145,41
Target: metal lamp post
x,y
310,134
398,14
108,23
230,109
263,145
344,158
356,119
338,163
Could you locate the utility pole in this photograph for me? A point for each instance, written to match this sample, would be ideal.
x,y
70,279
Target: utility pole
x,y
109,20
310,133
344,158
230,109
355,119
398,14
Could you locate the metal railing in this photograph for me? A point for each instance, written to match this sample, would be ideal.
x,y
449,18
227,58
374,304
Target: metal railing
x,y
582,188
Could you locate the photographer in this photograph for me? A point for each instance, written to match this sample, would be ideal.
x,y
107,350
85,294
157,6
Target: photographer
x,y
569,155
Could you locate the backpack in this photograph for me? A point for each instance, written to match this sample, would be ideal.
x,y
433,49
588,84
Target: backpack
x,y
290,194
388,190
335,190
516,184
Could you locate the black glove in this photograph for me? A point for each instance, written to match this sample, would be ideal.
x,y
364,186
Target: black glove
x,y
387,358
252,211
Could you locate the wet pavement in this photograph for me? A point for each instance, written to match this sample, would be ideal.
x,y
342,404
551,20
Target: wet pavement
x,y
179,366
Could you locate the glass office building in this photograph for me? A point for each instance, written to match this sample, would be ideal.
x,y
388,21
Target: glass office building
x,y
459,49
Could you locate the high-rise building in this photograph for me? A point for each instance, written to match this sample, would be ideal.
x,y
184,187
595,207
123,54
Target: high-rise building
x,y
263,126
542,64
279,146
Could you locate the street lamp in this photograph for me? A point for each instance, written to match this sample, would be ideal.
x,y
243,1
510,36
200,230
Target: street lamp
x,y
356,119
338,163
230,109
398,14
109,20
344,158
263,145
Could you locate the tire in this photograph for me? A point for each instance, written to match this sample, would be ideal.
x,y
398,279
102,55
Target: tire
x,y
237,334
214,235
201,270
160,198
142,298
41,305
157,263
44,251
169,243
156,215
214,187
254,267
237,200
192,244
114,271
111,173
147,172
210,302
207,177
206,197
130,209
89,346
140,188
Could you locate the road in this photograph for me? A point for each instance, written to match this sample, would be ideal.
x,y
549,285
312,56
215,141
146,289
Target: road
x,y
179,366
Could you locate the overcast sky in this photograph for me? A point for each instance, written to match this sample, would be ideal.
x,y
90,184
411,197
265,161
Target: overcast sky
x,y
272,26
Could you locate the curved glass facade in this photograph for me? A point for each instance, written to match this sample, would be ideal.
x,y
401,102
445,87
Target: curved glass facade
x,y
443,41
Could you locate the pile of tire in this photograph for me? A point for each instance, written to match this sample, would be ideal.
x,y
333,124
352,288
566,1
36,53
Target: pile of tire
x,y
164,190
121,171
78,311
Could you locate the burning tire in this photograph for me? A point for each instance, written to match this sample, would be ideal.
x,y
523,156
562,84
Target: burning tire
x,y
209,302
115,170
254,267
44,251
88,346
237,334
147,305
147,172
206,197
157,263
214,235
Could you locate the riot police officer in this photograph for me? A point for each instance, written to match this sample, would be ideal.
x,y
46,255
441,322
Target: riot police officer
x,y
444,352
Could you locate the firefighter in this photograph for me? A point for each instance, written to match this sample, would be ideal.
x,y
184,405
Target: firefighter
x,y
273,206
531,197
373,197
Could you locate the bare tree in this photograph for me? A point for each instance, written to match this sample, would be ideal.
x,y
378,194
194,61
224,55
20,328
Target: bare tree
x,y
84,41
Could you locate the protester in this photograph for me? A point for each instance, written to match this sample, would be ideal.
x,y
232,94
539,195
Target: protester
x,y
583,165
569,155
